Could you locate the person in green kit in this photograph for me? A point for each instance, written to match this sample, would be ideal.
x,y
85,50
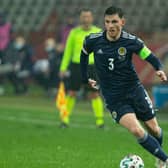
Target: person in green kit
x,y
71,59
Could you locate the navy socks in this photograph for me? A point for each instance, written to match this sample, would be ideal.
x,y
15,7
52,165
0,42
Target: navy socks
x,y
152,145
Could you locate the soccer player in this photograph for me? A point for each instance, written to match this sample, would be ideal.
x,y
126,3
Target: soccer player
x,y
72,56
123,92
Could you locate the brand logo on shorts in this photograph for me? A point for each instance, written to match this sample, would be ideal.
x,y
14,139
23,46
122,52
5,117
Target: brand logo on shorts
x,y
114,114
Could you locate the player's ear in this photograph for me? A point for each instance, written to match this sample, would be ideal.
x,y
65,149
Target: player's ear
x,y
123,21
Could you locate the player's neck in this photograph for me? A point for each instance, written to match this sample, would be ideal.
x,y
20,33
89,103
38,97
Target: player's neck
x,y
86,27
113,38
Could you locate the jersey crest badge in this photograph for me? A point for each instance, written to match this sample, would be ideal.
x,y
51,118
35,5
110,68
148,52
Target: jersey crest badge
x,y
122,51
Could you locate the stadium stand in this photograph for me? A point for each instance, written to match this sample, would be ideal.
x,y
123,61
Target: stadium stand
x,y
31,15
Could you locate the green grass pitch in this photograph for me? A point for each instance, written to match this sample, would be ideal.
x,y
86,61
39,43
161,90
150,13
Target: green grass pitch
x,y
30,137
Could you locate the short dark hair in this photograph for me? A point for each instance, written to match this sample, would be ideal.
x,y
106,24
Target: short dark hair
x,y
114,10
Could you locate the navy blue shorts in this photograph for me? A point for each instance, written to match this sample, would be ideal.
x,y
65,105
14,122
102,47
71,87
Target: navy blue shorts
x,y
135,101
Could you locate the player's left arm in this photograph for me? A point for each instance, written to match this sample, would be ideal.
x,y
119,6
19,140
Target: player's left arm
x,y
146,54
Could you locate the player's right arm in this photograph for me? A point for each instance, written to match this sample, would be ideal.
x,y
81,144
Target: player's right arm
x,y
84,59
67,53
88,46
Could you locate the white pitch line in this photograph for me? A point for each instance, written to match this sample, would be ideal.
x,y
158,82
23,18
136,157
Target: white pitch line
x,y
32,161
56,123
45,122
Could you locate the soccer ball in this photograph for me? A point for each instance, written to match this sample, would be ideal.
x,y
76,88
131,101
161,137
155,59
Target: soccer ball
x,y
132,161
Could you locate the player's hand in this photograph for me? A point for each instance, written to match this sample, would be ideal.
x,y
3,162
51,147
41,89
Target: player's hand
x,y
161,74
93,84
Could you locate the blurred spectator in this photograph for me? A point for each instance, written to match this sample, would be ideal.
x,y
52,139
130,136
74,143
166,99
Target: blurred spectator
x,y
19,58
46,70
5,34
5,38
69,24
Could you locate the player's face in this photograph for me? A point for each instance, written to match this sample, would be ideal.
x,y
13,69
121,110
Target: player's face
x,y
113,25
86,18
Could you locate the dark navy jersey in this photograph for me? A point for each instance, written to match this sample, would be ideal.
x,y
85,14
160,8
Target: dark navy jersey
x,y
113,61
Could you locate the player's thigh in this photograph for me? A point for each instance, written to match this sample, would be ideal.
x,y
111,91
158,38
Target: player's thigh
x,y
75,77
130,122
153,126
123,113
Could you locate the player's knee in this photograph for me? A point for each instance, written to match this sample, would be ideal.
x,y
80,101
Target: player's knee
x,y
137,131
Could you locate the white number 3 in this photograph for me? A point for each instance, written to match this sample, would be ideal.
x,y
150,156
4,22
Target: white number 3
x,y
111,64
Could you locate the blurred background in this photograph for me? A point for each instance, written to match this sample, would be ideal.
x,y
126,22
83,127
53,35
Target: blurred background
x,y
33,34
38,24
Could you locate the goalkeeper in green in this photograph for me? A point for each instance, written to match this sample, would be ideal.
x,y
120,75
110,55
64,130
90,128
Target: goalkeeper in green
x,y
71,60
